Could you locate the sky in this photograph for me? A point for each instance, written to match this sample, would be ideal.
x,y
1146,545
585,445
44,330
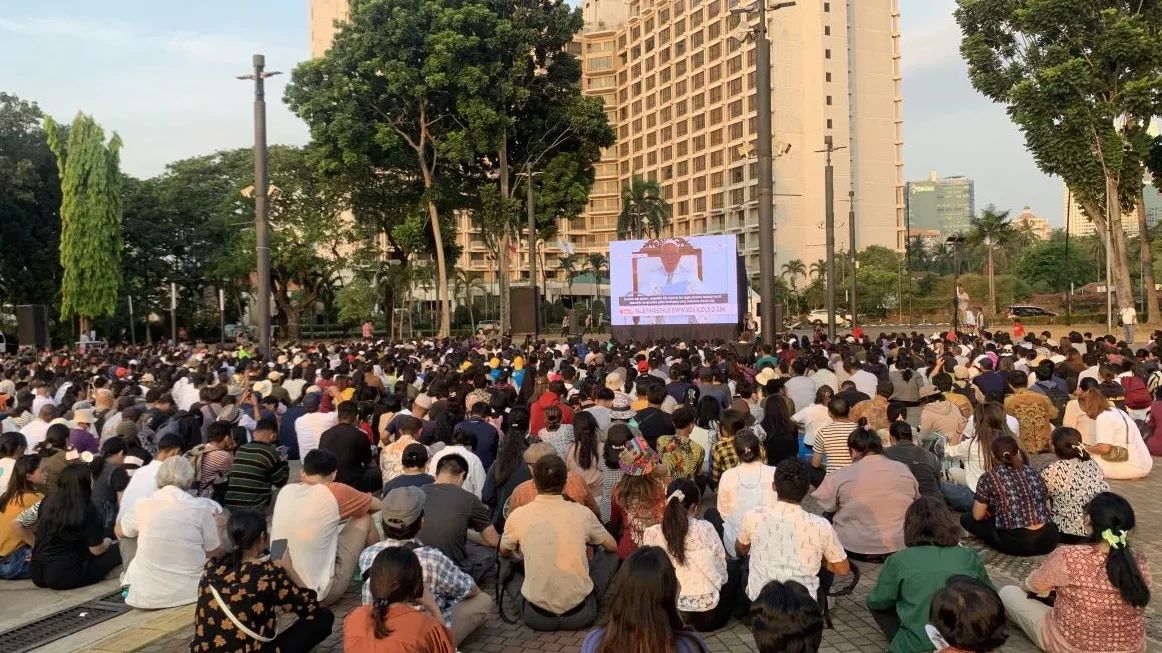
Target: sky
x,y
162,74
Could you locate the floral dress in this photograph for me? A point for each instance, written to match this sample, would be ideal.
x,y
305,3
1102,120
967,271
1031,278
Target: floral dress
x,y
1072,484
682,456
256,592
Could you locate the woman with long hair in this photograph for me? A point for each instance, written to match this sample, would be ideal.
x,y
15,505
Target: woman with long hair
x,y
1118,447
55,453
21,494
643,612
639,497
1011,509
744,487
782,440
707,593
401,617
975,446
245,587
1072,480
13,445
1102,586
507,472
615,441
70,549
584,455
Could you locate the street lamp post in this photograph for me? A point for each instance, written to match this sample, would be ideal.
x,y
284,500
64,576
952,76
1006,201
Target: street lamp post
x,y
530,201
765,164
851,250
261,184
829,227
955,241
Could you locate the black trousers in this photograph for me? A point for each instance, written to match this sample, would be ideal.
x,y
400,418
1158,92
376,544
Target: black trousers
x,y
1012,541
728,597
305,634
93,570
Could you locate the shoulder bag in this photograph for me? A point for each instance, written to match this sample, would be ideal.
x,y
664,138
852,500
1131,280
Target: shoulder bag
x,y
234,620
1118,454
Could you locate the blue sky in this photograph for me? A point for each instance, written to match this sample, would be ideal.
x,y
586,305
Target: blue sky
x,y
162,75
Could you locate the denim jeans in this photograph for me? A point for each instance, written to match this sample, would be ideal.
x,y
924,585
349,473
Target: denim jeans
x,y
15,565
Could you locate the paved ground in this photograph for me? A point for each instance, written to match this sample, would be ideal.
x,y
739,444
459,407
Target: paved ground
x,y
169,631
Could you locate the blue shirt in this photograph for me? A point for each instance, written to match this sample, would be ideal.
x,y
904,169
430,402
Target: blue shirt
x,y
286,431
486,439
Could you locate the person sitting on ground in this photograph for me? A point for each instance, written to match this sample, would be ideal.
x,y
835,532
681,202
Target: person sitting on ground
x,y
681,454
102,468
407,432
212,462
785,542
901,599
19,495
13,445
55,454
785,618
463,445
326,525
831,441
875,410
1118,447
707,593
415,462
69,546
349,443
1102,588
576,489
639,497
487,436
1033,411
463,607
453,511
723,454
560,582
642,616
401,616
922,463
556,433
967,617
583,456
747,486
653,421
1072,480
939,415
869,498
175,534
257,469
508,471
241,593
1011,510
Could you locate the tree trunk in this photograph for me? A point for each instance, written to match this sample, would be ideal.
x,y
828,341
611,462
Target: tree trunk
x,y
1118,260
502,257
992,284
441,273
1147,256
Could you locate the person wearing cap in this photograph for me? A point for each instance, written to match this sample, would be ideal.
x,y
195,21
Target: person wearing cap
x,y
81,436
575,487
276,388
560,583
143,483
326,525
256,468
463,607
452,512
310,427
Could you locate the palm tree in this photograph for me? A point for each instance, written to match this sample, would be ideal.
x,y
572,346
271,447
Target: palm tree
x,y
463,284
794,269
992,229
644,211
819,270
597,262
568,263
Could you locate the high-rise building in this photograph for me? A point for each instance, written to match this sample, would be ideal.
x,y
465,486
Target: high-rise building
x,y
1079,225
946,205
678,81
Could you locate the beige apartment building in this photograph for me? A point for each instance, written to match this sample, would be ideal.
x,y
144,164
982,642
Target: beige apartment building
x,y
677,78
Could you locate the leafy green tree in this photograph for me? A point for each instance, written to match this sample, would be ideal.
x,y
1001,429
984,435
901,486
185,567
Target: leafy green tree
x,y
990,231
1082,79
644,210
90,176
1047,268
30,200
819,270
878,256
794,269
596,262
355,301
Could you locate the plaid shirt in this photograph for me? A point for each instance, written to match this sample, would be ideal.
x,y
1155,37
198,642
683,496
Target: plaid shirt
x,y
447,583
723,457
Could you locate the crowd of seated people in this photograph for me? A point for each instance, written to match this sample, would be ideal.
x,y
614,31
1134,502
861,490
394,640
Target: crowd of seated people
x,y
675,483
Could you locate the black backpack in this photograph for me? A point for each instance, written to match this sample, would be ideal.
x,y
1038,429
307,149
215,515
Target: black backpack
x,y
1059,399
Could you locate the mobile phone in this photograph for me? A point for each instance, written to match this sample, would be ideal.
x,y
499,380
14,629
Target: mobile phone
x,y
277,549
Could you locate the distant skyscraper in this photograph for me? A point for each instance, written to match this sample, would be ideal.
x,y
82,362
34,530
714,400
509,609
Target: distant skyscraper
x,y
1080,225
940,204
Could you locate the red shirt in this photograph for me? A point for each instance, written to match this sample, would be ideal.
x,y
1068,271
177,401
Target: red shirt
x,y
537,412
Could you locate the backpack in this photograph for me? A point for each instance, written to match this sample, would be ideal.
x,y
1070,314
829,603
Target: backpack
x,y
196,456
1155,380
187,425
1055,395
1137,395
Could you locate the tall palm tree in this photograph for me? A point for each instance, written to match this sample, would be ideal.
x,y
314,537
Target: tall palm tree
x,y
644,210
463,283
819,269
991,230
596,263
568,263
792,270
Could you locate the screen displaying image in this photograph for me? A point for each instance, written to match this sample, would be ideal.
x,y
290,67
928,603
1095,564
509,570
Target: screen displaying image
x,y
674,281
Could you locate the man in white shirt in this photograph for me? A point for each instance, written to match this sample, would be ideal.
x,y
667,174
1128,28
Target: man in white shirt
x,y
864,381
186,391
142,484
1129,319
35,430
814,417
786,542
309,428
42,398
823,376
176,533
463,443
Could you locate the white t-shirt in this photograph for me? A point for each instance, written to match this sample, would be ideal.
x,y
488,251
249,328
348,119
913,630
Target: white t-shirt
x,y
743,488
1129,316
34,432
825,377
309,428
702,437
969,450
812,418
174,532
865,382
474,482
801,391
307,516
185,394
6,466
1114,427
294,388
40,402
787,543
142,484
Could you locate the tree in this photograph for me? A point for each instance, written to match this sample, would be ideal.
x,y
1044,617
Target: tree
x,y
819,270
991,230
794,269
568,264
403,74
465,283
90,176
596,263
30,201
355,301
1046,267
1082,79
644,211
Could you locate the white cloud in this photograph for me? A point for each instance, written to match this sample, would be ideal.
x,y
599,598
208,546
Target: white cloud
x,y
929,44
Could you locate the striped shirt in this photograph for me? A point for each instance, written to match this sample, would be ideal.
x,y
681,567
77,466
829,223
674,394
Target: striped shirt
x,y
257,466
831,441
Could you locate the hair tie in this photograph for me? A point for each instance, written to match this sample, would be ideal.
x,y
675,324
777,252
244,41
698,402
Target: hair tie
x,y
1080,448
618,447
1116,539
676,494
